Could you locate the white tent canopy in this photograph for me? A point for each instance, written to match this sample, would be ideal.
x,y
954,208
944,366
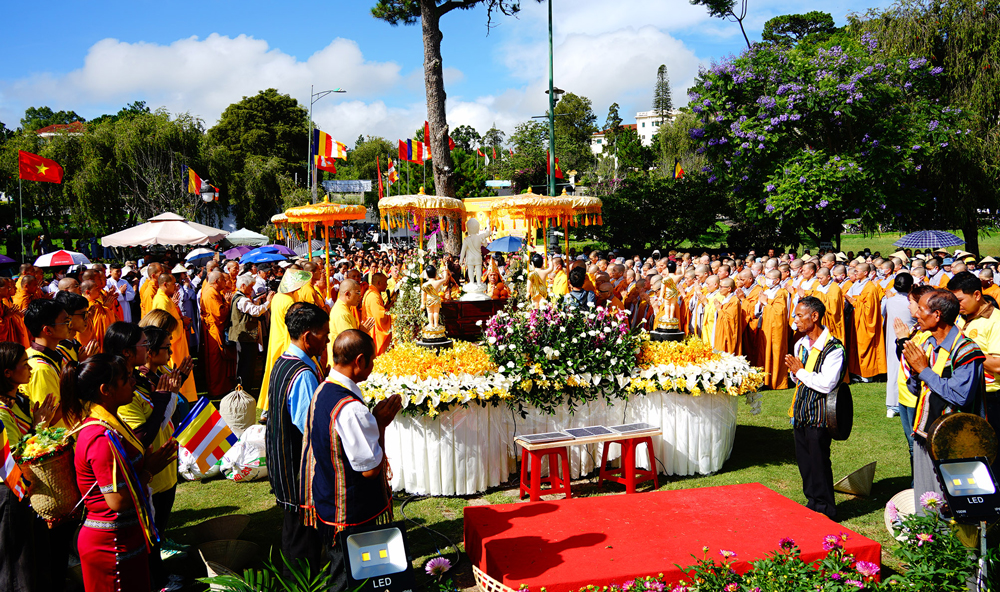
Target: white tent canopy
x,y
247,237
166,229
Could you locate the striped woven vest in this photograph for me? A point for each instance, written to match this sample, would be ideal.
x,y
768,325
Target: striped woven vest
x,y
283,439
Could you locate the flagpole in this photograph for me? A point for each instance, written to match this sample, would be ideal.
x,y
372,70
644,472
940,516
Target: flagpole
x,y
20,201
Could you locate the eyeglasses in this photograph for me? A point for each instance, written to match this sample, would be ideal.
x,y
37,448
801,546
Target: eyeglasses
x,y
143,344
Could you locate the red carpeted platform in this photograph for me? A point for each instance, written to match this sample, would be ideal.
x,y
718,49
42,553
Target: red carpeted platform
x,y
569,543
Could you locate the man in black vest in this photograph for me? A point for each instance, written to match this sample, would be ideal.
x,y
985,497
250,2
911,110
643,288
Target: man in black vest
x,y
818,369
294,379
343,465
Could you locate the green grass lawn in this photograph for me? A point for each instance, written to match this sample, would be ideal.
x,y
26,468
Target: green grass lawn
x,y
763,452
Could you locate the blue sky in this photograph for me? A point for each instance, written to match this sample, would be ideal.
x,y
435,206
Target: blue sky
x,y
201,56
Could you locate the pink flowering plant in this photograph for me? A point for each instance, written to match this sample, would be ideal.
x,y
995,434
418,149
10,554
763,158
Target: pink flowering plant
x,y
936,559
556,357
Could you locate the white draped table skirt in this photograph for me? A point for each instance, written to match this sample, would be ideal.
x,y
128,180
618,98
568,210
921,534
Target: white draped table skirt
x,y
467,451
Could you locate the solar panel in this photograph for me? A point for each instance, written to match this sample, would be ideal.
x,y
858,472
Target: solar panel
x,y
543,438
634,427
589,431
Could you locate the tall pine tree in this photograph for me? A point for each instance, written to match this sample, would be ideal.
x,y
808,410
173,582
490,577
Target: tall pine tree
x,y
662,104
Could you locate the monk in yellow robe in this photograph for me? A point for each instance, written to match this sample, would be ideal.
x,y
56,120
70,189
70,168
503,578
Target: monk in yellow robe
x,y
373,309
829,292
560,281
314,292
709,298
749,292
278,340
166,287
728,314
867,356
148,289
772,338
218,355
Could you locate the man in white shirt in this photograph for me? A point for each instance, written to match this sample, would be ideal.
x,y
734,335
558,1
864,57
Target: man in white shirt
x,y
124,289
817,367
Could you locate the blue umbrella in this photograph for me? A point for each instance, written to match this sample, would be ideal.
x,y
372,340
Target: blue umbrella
x,y
507,244
261,257
928,239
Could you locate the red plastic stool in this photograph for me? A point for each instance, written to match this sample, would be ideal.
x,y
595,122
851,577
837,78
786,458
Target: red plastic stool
x,y
628,474
558,463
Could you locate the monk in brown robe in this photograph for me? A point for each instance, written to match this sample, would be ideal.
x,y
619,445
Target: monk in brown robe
x,y
772,339
219,355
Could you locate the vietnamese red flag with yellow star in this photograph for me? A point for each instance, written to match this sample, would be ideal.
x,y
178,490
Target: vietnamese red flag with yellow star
x,y
32,167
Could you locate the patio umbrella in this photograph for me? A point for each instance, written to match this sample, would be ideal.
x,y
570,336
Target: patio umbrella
x,y
506,244
277,249
246,237
928,239
4,259
262,257
61,257
237,252
199,254
166,229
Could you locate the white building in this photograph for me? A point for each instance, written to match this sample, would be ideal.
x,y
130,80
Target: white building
x,y
647,123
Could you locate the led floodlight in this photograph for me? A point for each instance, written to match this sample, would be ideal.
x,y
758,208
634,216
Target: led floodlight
x,y
377,557
970,488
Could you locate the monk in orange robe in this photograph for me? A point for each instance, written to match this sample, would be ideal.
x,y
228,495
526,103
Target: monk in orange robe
x,y
219,356
100,315
315,291
989,288
748,291
26,287
11,320
829,292
373,307
728,314
772,338
867,356
166,287
148,289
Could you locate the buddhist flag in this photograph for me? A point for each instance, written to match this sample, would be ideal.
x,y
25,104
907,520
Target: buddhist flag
x,y
678,171
12,475
205,434
391,173
378,168
325,145
410,151
32,167
192,179
548,170
325,163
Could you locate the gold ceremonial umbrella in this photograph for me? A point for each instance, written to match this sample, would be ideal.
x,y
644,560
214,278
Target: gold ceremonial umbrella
x,y
535,210
326,214
280,221
397,211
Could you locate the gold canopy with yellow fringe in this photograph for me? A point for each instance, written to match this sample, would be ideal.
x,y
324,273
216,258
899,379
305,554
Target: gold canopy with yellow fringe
x,y
536,211
280,221
325,215
398,211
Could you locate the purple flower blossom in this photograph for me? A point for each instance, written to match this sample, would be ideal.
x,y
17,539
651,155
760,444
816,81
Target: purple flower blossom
x,y
822,204
917,147
930,500
856,583
437,567
712,179
769,208
893,512
802,179
786,543
770,187
924,537
727,554
936,70
697,133
831,542
944,144
933,125
867,568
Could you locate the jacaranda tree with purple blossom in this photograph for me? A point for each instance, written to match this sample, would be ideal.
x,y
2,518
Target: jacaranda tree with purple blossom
x,y
805,138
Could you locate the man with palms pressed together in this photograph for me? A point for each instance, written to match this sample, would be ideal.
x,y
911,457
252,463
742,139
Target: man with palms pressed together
x,y
818,369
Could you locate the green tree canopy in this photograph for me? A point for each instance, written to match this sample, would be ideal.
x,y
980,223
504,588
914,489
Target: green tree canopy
x,y
662,102
575,122
466,137
39,117
789,29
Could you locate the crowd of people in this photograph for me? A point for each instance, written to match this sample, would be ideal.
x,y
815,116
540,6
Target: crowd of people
x,y
107,350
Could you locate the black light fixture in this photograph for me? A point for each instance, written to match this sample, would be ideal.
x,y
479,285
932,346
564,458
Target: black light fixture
x,y
377,558
970,489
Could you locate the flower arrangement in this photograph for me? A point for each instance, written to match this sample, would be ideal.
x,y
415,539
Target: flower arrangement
x,y
693,367
431,382
516,278
554,357
44,443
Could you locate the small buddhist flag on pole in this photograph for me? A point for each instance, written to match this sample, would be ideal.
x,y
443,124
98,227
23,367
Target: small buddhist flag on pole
x,y
678,171
12,475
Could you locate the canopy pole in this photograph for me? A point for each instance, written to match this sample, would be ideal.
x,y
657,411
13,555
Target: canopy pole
x,y
326,264
545,240
309,246
566,238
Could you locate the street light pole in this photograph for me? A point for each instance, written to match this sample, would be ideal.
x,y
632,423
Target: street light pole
x,y
552,117
310,163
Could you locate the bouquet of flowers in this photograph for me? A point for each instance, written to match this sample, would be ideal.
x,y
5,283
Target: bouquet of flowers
x,y
553,357
431,382
408,315
44,443
694,367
